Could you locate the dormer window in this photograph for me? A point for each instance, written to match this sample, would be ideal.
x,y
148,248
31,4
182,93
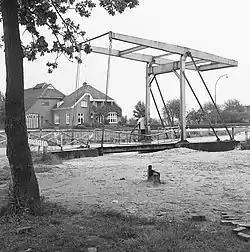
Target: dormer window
x,y
58,104
84,104
38,86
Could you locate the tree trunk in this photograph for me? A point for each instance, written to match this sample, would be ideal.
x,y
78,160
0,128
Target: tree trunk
x,y
25,185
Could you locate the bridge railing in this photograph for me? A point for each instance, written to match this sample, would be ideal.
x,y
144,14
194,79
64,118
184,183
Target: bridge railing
x,y
61,139
126,137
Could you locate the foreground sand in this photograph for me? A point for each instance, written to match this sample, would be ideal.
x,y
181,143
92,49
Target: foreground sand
x,y
195,182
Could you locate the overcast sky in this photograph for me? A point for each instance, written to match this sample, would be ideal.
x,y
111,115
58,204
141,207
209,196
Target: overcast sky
x,y
219,27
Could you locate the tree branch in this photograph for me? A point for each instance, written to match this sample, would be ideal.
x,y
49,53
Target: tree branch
x,y
63,20
57,38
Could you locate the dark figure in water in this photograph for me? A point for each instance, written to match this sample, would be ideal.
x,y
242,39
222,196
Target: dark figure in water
x,y
152,173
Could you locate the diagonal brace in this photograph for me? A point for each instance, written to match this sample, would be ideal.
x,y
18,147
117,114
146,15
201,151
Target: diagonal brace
x,y
203,111
165,106
190,55
159,114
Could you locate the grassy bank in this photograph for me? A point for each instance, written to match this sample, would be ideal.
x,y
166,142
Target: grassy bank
x,y
42,163
61,229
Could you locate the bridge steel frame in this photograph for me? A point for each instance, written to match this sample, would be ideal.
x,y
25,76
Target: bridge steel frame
x,y
161,64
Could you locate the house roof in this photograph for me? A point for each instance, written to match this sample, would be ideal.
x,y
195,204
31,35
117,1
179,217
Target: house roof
x,y
41,90
70,100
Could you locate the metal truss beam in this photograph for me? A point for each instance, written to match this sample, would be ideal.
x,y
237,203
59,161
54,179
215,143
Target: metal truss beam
x,y
162,55
168,68
132,56
159,65
165,65
130,50
190,63
173,66
212,66
173,49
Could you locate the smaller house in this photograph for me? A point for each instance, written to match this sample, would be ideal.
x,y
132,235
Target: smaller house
x,y
38,104
85,105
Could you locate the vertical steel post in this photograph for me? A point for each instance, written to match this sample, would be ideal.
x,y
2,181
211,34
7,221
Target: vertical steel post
x,y
233,132
61,141
182,99
147,105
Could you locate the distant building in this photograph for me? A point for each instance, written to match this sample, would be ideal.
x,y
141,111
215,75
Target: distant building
x,y
38,103
46,106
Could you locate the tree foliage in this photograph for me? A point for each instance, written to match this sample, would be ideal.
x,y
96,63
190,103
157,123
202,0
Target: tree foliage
x,y
67,35
124,121
233,105
155,122
232,111
173,111
139,110
195,116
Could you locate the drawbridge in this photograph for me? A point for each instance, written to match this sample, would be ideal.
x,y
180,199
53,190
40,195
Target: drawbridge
x,y
168,58
162,62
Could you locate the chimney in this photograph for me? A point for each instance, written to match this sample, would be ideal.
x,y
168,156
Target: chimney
x,y
84,84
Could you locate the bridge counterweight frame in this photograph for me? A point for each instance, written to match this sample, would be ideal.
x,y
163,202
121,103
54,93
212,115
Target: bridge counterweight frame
x,y
160,64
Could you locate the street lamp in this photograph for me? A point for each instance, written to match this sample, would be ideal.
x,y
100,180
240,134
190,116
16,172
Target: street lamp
x,y
216,85
215,91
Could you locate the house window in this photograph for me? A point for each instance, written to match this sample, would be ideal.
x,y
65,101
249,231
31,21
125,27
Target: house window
x,y
112,117
45,103
67,118
80,118
32,121
84,104
56,119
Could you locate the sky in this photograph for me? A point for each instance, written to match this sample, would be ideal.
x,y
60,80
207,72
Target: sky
x,y
217,27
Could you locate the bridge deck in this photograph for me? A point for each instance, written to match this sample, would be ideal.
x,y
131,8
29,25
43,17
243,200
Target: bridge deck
x,y
145,148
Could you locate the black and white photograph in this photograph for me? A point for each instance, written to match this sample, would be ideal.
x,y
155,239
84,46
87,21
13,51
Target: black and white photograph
x,y
124,126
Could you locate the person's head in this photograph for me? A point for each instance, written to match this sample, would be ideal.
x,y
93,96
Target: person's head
x,y
150,167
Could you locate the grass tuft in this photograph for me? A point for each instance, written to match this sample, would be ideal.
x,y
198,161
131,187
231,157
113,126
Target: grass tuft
x,y
112,213
4,175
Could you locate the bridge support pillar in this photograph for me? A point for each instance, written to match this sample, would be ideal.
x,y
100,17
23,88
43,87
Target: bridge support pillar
x,y
182,99
147,103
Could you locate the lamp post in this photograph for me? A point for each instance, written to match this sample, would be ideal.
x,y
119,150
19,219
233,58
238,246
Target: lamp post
x,y
215,90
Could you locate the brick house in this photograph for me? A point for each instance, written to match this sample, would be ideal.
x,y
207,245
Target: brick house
x,y
46,106
85,106
38,104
